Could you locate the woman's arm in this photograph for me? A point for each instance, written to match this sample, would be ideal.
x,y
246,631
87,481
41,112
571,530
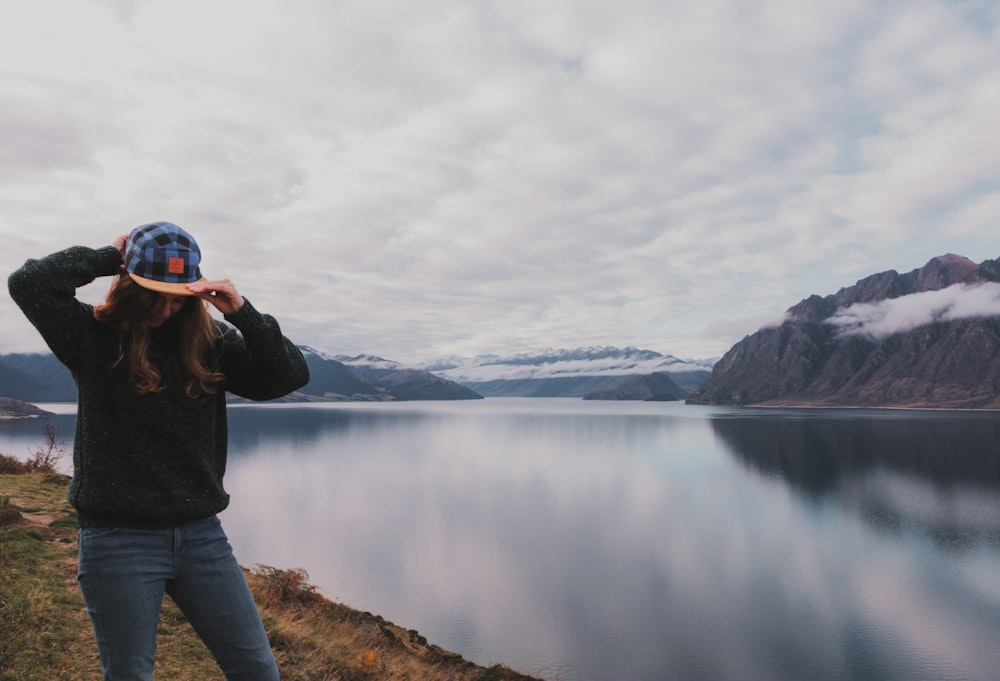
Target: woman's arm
x,y
259,362
45,290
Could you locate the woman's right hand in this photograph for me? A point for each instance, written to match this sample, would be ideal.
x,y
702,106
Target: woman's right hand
x,y
119,244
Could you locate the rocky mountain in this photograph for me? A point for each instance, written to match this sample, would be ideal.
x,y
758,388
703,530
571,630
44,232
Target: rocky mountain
x,y
366,375
567,373
42,378
926,338
654,387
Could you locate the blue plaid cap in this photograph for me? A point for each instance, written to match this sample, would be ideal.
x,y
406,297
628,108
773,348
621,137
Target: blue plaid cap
x,y
163,257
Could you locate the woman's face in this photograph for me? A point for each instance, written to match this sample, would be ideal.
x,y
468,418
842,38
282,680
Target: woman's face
x,y
165,307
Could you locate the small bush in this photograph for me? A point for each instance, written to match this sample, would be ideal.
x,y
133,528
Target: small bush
x,y
368,662
46,457
286,586
42,459
11,466
498,672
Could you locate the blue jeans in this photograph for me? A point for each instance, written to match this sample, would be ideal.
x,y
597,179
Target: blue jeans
x,y
124,573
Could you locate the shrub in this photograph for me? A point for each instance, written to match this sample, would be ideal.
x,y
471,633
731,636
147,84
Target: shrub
x,y
43,459
11,466
46,457
286,586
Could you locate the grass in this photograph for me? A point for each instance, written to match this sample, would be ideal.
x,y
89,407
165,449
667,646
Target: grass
x,y
45,632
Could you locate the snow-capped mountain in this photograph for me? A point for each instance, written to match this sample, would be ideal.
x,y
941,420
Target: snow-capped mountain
x,y
374,378
565,373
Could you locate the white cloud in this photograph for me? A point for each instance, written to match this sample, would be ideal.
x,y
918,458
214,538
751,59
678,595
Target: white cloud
x,y
422,179
899,315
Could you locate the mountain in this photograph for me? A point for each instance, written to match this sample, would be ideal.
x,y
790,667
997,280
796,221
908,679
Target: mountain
x,y
36,377
566,373
926,338
332,380
654,387
42,378
15,409
383,378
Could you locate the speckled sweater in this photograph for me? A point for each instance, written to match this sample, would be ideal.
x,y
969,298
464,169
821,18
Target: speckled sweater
x,y
146,461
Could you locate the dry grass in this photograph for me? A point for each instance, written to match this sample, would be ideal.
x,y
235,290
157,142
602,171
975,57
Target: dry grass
x,y
45,633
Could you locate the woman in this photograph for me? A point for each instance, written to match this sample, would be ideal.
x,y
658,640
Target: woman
x,y
152,368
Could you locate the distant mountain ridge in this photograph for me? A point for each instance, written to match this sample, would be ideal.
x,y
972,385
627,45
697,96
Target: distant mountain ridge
x,y
598,372
41,377
926,338
35,377
368,375
594,373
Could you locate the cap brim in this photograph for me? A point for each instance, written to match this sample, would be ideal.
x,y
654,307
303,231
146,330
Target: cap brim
x,y
163,286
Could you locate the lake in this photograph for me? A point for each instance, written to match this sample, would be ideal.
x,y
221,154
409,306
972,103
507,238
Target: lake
x,y
597,541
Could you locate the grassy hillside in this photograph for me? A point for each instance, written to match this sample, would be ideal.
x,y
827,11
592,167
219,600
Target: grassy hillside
x,y
45,632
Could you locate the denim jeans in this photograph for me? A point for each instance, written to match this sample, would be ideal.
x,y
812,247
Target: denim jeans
x,y
124,573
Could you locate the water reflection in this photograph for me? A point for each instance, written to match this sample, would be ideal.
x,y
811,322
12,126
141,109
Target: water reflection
x,y
251,426
935,473
815,450
506,534
592,542
18,434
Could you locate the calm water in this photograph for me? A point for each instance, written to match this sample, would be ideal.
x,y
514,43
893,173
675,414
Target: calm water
x,y
597,541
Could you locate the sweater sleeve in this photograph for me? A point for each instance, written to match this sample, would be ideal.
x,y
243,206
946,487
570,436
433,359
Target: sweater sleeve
x,y
45,290
259,362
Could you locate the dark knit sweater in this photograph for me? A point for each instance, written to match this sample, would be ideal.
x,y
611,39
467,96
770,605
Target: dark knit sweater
x,y
146,460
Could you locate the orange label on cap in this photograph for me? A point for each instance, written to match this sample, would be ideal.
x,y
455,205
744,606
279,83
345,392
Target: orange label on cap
x,y
175,265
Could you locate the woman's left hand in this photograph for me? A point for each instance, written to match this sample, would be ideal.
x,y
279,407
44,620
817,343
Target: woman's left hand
x,y
220,293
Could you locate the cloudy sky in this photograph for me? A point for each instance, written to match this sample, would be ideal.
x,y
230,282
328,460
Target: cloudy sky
x,y
423,179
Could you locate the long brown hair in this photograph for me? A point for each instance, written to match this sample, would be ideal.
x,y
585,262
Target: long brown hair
x,y
182,367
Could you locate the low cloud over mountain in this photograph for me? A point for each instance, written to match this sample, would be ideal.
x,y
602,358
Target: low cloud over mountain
x,y
598,372
901,315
